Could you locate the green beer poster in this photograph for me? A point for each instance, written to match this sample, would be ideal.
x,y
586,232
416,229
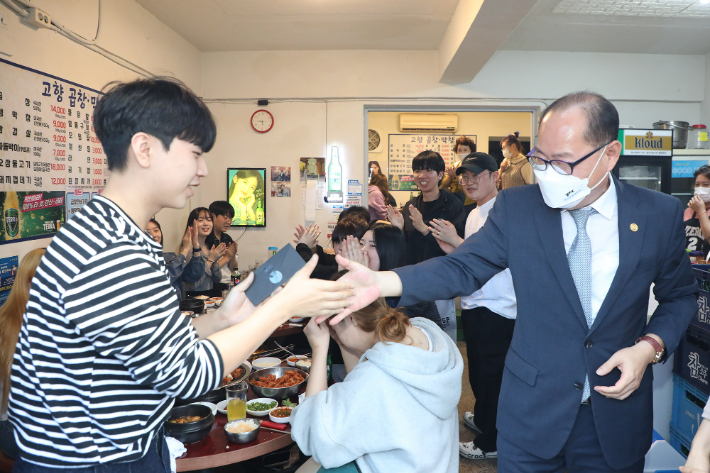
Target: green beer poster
x,y
31,214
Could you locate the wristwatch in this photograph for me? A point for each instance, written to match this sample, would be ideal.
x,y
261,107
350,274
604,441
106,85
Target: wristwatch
x,y
196,250
656,346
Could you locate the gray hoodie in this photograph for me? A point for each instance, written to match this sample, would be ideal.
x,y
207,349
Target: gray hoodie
x,y
395,411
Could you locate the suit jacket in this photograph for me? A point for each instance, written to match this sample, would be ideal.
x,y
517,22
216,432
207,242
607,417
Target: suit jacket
x,y
552,347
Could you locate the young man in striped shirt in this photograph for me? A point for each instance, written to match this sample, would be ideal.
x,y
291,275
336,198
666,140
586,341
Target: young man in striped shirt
x,y
104,350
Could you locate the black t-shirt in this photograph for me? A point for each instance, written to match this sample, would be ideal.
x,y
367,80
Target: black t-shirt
x,y
694,240
212,240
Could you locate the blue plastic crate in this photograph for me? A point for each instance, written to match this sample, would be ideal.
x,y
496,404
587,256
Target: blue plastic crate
x,y
692,358
688,405
680,443
702,317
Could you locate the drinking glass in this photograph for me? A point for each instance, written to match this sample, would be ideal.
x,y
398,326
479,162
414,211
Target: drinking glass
x,y
236,401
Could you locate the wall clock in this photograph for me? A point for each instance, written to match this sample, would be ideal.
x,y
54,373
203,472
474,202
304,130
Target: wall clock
x,y
262,121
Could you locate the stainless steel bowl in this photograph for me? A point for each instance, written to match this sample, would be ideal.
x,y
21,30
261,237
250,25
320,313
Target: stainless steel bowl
x,y
277,393
242,438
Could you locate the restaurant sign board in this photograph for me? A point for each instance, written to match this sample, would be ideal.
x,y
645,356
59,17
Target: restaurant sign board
x,y
646,142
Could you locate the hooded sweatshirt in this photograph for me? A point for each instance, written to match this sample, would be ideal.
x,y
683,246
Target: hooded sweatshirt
x,y
395,411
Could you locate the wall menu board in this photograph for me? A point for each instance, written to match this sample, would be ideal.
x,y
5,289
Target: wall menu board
x,y
47,148
404,147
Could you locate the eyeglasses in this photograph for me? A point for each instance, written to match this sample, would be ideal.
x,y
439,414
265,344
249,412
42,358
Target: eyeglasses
x,y
470,179
562,167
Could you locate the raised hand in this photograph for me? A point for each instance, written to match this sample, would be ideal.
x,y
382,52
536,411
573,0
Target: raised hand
x,y
445,232
318,335
352,250
417,220
310,236
697,204
306,297
231,250
217,252
395,217
298,233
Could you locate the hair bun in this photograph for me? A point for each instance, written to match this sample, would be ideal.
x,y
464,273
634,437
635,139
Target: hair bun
x,y
517,134
393,327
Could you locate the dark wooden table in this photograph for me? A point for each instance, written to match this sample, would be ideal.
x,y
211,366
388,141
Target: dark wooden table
x,y
215,450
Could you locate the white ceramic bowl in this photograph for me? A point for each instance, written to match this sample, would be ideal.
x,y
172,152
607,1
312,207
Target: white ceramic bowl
x,y
209,304
266,362
264,400
293,363
222,407
210,405
280,420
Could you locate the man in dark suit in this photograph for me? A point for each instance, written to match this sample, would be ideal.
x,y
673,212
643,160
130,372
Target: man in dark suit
x,y
583,250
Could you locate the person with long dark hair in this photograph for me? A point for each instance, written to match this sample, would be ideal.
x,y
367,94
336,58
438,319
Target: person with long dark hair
x,y
177,265
10,322
377,197
201,218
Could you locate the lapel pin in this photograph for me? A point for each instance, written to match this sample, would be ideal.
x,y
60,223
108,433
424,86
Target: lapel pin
x,y
634,227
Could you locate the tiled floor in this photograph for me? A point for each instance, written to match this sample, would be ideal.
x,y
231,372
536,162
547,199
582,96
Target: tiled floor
x,y
466,435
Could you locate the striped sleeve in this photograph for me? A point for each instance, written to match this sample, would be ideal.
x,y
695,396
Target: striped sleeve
x,y
124,305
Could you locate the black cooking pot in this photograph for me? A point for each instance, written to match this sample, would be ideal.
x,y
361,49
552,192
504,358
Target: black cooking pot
x,y
193,431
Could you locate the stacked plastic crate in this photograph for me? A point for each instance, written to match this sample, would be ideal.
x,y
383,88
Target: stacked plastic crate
x,y
691,383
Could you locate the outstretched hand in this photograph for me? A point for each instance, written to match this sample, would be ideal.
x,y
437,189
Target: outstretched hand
x,y
364,284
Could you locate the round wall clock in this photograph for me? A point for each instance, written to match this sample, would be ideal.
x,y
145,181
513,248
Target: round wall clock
x,y
262,121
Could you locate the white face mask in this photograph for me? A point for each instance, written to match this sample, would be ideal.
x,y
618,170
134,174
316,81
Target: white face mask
x,y
460,156
565,192
704,193
507,154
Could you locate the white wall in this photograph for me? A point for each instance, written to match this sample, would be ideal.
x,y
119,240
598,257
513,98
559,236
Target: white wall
x,y
128,30
645,88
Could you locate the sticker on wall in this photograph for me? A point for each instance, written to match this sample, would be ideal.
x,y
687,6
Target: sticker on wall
x,y
280,189
312,173
8,270
354,187
76,199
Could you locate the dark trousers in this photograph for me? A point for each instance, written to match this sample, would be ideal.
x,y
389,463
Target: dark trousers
x,y
7,439
488,336
157,460
581,453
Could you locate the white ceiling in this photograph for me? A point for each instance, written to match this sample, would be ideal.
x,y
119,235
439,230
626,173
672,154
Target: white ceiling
x,y
254,25
612,26
610,31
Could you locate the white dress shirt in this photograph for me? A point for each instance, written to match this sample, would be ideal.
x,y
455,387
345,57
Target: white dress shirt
x,y
498,294
603,231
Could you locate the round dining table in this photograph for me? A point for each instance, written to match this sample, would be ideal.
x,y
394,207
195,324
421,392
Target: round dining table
x,y
215,450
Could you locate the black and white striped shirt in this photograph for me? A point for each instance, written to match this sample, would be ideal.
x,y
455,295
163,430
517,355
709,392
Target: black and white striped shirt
x,y
103,349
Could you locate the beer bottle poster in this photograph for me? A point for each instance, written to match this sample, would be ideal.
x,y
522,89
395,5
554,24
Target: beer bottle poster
x,y
8,270
29,215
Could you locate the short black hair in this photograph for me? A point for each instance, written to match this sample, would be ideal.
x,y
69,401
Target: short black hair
x,y
349,227
162,107
356,211
428,161
222,208
602,116
390,245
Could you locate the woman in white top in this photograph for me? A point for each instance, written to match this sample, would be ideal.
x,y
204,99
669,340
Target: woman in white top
x,y
396,410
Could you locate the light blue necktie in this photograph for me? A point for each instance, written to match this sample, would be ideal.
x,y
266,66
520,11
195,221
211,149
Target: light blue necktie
x,y
580,264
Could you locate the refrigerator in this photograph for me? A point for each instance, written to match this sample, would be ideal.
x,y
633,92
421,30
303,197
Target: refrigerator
x,y
646,159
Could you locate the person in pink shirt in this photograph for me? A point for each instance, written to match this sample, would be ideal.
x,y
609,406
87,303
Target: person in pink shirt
x,y
376,198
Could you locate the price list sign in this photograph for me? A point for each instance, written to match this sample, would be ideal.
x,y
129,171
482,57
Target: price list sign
x,y
47,147
403,148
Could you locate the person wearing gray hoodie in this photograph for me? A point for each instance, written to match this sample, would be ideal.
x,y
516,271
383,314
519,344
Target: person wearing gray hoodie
x,y
396,410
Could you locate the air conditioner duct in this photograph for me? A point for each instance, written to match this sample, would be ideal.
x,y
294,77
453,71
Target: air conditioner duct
x,y
428,122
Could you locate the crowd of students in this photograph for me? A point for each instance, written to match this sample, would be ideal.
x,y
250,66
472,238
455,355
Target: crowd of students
x,y
95,349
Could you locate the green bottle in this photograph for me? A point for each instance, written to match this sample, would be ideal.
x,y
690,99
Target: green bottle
x,y
411,196
259,213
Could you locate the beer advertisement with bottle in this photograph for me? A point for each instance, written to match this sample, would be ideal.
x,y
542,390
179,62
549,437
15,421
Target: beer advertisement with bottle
x,y
31,214
246,193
